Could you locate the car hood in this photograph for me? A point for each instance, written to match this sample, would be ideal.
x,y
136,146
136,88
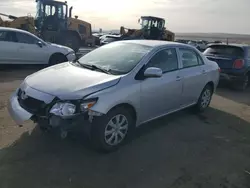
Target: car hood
x,y
67,81
63,49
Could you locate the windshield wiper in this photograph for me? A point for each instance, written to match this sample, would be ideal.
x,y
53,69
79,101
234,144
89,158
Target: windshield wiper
x,y
94,67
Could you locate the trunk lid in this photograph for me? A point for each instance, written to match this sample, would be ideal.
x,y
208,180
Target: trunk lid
x,y
224,55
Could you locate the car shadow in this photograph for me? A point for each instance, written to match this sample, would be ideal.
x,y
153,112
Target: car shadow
x,y
242,97
180,150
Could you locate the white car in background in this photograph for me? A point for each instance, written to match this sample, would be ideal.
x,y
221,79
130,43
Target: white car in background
x,y
21,47
200,45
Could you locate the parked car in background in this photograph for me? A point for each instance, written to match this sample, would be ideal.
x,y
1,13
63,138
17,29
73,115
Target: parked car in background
x,y
217,42
110,91
182,41
201,45
193,43
234,62
109,38
21,47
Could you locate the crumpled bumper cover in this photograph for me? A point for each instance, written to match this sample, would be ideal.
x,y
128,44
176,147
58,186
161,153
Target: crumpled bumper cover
x,y
18,114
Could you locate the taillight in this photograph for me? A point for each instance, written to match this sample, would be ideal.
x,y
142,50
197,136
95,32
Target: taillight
x,y
238,63
219,69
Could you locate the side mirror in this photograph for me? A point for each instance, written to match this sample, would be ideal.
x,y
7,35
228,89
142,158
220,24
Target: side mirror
x,y
153,72
40,44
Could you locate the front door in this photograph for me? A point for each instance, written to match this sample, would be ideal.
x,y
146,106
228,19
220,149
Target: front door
x,y
161,95
28,51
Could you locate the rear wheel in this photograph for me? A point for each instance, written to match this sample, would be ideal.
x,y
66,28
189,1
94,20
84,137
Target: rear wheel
x,y
242,85
204,99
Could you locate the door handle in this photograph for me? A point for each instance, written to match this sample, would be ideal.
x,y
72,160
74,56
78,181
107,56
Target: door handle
x,y
178,78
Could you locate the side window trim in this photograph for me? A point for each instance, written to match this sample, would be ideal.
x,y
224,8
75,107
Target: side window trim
x,y
200,59
164,48
180,58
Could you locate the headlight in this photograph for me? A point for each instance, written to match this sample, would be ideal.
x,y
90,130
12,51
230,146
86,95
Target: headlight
x,y
87,104
63,109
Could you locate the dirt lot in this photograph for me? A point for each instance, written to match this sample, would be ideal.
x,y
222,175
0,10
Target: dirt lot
x,y
181,150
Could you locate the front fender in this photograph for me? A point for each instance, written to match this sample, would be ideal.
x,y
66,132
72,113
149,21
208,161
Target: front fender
x,y
116,95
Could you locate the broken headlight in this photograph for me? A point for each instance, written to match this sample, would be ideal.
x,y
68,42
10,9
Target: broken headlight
x,y
63,109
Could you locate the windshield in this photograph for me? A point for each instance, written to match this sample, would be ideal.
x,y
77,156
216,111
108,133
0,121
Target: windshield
x,y
225,50
148,23
118,57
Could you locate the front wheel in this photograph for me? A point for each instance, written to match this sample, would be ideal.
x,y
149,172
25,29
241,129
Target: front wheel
x,y
204,99
111,130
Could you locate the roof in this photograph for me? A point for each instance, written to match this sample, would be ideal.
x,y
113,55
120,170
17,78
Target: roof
x,y
18,30
51,2
155,43
152,17
230,44
12,29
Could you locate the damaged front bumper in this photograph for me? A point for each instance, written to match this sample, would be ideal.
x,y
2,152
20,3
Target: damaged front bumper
x,y
18,114
29,104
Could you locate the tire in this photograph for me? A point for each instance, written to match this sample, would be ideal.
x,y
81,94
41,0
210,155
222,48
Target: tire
x,y
241,85
102,125
44,127
204,99
72,41
56,59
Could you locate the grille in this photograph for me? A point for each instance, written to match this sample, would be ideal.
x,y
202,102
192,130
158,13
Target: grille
x,y
31,104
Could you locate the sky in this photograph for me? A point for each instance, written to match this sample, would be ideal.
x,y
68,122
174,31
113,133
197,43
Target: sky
x,y
206,16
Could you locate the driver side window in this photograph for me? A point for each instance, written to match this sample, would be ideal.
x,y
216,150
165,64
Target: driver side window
x,y
25,38
165,59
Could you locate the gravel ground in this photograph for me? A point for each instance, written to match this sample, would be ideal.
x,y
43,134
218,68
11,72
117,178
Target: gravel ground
x,y
181,150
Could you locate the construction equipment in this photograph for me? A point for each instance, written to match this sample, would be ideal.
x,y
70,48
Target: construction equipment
x,y
151,28
54,23
24,22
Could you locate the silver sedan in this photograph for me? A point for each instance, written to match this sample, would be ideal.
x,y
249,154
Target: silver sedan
x,y
116,88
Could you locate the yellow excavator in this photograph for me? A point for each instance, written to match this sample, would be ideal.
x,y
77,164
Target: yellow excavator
x,y
54,23
152,28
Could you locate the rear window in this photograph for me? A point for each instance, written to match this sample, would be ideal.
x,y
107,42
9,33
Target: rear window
x,y
232,51
110,39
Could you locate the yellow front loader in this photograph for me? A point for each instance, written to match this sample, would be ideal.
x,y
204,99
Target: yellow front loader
x,y
152,28
25,22
54,23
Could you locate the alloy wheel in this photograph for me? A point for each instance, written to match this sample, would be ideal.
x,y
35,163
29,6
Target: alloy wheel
x,y
205,99
116,130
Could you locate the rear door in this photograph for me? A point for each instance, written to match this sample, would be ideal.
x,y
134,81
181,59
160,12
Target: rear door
x,y
193,74
224,55
8,47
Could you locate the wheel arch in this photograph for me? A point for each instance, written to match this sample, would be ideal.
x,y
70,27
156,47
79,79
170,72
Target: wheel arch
x,y
127,106
57,54
211,83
